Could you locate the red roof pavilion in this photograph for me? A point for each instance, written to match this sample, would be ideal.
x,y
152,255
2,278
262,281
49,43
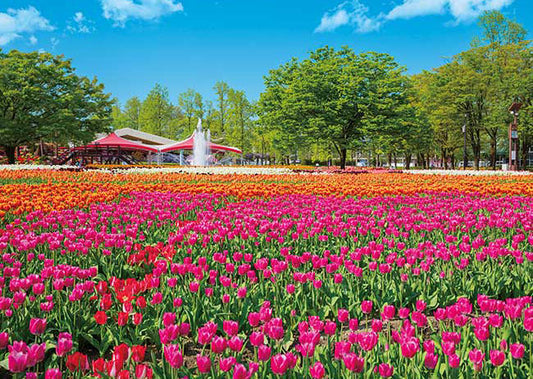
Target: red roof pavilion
x,y
114,141
188,144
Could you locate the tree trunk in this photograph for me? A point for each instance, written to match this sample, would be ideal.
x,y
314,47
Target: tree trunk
x,y
407,161
343,153
444,162
493,153
10,153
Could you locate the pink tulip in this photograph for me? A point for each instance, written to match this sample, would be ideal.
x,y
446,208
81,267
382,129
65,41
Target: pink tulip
x,y
64,344
517,350
497,357
388,312
330,328
203,363
317,370
343,315
240,372
4,340
257,338
430,360
353,362
341,348
218,344
254,319
279,364
385,370
235,344
263,353
476,357
53,373
37,326
230,327
454,360
366,306
227,363
173,355
410,347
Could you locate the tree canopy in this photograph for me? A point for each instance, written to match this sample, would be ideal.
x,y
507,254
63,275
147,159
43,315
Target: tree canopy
x,y
336,97
42,99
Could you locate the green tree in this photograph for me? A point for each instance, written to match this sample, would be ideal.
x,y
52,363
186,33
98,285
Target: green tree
x,y
157,113
117,116
209,115
334,96
240,115
191,107
42,99
131,113
222,91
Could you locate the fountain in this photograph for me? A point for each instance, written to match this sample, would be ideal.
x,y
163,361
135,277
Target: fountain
x,y
200,151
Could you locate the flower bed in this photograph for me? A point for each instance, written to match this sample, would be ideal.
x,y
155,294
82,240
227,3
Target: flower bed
x,y
173,284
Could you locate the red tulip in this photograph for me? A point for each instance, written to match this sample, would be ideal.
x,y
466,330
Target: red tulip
x,y
77,362
100,317
137,353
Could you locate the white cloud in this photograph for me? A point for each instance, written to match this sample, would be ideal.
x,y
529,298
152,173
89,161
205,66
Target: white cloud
x,y
120,11
355,13
33,40
349,13
79,17
461,10
15,22
414,8
80,25
464,10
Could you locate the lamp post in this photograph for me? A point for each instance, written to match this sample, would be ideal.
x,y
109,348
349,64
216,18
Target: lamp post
x,y
465,161
513,137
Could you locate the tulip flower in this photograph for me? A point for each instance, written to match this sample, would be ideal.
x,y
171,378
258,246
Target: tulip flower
x,y
353,362
317,370
173,355
517,350
203,363
279,364
53,373
37,326
476,357
385,370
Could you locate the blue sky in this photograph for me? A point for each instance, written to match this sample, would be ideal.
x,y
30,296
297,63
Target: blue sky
x,y
132,44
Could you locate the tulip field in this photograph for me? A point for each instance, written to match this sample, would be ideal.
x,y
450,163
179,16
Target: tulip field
x,y
270,275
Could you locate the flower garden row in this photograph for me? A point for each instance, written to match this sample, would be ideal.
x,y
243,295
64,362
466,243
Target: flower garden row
x,y
48,190
192,276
